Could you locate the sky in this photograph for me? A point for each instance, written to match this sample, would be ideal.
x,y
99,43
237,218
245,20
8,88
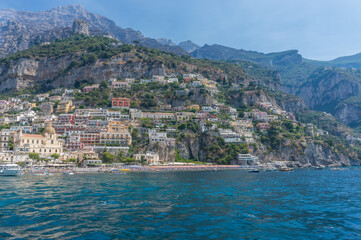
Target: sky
x,y
319,29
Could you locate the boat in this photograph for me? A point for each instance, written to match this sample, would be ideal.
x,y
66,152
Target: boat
x,y
321,167
337,169
68,173
253,171
285,169
9,170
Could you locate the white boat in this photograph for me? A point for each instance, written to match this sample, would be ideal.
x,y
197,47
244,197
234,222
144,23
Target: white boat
x,y
9,170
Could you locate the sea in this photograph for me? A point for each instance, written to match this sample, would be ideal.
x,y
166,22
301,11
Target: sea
x,y
224,204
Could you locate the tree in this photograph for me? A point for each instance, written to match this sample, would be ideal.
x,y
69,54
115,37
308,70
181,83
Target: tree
x,y
108,157
103,85
143,161
128,160
44,160
55,156
11,144
146,122
34,156
120,156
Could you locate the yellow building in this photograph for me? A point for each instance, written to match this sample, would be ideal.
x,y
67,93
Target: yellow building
x,y
193,107
117,133
118,126
183,116
65,107
45,145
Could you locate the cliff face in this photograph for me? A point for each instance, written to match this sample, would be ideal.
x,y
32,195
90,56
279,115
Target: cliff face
x,y
52,72
61,72
305,154
80,26
348,113
195,95
326,88
290,153
293,104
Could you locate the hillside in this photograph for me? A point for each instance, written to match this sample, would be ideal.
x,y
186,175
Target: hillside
x,y
83,60
80,58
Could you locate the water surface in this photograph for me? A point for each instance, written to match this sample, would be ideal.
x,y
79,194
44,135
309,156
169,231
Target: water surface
x,y
230,204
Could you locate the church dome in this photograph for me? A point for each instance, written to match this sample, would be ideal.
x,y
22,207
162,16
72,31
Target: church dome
x,y
49,129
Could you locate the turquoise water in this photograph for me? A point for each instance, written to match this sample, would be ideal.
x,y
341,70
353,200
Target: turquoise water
x,y
230,204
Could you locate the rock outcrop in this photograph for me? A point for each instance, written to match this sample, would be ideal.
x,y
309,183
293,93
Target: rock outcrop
x,y
80,26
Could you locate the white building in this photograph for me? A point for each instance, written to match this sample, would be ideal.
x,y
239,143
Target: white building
x,y
150,157
230,136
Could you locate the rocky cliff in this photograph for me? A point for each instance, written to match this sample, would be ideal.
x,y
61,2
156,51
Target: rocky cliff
x,y
63,63
301,153
327,87
306,154
349,111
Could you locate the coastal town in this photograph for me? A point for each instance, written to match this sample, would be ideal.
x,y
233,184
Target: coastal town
x,y
52,129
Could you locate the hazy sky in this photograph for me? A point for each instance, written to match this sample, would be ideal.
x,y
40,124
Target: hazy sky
x,y
319,29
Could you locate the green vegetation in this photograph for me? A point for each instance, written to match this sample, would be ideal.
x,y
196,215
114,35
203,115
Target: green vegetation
x,y
354,101
88,48
108,157
34,156
96,98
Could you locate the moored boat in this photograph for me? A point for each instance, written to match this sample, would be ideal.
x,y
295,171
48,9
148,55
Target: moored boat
x,y
9,170
253,171
338,169
285,169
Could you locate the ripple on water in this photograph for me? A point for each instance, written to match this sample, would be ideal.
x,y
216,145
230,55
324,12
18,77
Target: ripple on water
x,y
183,205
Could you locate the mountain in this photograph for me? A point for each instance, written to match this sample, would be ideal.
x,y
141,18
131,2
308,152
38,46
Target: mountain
x,y
353,61
321,89
219,52
188,46
21,29
293,70
82,60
